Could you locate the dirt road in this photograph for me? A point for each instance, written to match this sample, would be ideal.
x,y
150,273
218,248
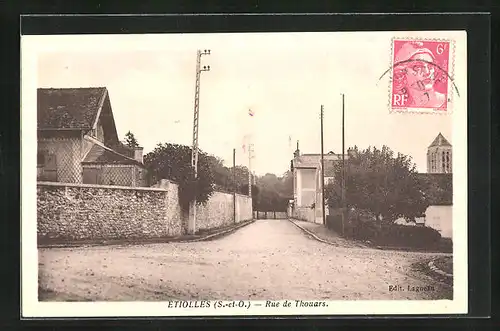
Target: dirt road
x,y
269,259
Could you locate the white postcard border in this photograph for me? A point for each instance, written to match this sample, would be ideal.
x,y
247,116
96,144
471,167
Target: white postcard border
x,y
31,47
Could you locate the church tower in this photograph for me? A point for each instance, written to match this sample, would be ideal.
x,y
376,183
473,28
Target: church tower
x,y
439,157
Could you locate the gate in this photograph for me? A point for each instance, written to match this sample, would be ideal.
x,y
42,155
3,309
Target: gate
x,y
275,215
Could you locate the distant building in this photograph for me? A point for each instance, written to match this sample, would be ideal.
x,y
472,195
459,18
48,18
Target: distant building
x,y
439,180
439,156
78,141
307,188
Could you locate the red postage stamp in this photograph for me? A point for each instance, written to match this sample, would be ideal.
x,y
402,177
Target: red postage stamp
x,y
420,75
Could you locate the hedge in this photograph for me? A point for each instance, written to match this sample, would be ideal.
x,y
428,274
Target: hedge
x,y
384,234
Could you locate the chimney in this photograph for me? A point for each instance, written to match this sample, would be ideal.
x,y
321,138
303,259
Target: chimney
x,y
138,154
297,151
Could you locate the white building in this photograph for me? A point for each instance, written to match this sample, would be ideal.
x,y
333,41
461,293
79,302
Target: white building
x,y
307,186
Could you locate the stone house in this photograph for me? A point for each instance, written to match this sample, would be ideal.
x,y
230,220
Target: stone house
x,y
307,187
78,140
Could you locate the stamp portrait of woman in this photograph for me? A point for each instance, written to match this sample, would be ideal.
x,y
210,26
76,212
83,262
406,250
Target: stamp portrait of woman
x,y
416,73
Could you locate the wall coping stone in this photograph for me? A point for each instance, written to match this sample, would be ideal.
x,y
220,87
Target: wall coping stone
x,y
136,188
241,195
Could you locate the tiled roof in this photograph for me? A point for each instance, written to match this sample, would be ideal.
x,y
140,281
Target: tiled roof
x,y
438,187
307,161
123,149
100,154
68,108
314,161
440,141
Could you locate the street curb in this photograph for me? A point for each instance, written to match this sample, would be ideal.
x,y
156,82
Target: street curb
x,y
437,270
138,242
239,226
311,234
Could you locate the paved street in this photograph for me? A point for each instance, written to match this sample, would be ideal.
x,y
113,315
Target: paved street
x,y
269,259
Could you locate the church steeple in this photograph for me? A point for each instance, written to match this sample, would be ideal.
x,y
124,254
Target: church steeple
x,y
440,141
439,156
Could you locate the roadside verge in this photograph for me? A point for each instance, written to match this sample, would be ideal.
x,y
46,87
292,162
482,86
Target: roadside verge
x,y
437,266
321,233
324,235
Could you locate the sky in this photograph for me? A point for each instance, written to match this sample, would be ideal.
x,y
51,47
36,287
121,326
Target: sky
x,y
283,78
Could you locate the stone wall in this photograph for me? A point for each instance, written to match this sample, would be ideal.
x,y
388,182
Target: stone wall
x,y
90,212
83,212
219,211
304,214
244,210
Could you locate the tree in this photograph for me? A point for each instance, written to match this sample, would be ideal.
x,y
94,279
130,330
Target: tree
x,y
173,162
274,192
130,140
286,185
381,183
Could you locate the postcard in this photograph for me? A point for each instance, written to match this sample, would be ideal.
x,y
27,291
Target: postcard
x,y
255,174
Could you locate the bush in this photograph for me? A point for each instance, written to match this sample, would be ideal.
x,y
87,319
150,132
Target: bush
x,y
394,234
334,222
362,226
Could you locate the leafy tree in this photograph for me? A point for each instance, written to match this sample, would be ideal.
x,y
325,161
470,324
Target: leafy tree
x,y
438,188
286,185
173,162
222,175
255,194
130,140
274,192
381,183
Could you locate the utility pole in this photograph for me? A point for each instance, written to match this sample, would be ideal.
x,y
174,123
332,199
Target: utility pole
x,y
250,157
343,167
322,172
234,185
194,152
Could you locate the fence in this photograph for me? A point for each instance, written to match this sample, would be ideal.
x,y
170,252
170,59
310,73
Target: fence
x,y
114,174
270,215
59,159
